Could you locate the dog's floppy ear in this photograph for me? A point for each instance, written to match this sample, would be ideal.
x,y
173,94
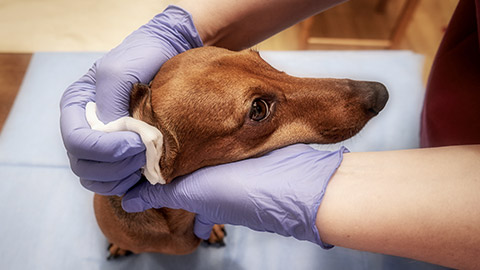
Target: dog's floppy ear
x,y
141,103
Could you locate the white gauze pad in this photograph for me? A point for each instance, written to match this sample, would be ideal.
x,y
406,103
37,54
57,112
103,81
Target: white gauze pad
x,y
150,135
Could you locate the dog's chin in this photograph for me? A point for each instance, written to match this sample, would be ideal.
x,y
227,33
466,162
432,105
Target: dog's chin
x,y
340,134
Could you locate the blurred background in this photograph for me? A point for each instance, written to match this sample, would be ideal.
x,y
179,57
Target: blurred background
x,y
28,26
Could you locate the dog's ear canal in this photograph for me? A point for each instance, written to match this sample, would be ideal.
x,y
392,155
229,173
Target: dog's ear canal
x,y
141,103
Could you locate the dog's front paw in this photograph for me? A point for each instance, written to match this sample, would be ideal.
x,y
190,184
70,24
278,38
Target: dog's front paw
x,y
115,251
217,236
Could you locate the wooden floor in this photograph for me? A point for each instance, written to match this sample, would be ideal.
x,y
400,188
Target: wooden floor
x,y
12,70
356,18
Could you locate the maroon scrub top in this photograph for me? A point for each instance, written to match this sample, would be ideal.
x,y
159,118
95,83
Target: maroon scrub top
x,y
451,111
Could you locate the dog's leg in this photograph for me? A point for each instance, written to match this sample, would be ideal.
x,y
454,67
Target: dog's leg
x,y
156,230
217,236
115,251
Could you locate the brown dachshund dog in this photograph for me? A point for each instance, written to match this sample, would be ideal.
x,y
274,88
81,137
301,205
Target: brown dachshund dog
x,y
215,106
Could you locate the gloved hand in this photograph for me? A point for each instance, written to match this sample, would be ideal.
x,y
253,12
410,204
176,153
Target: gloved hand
x,y
279,192
109,163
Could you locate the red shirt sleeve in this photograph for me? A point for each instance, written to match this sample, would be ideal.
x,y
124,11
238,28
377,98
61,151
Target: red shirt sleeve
x,y
451,112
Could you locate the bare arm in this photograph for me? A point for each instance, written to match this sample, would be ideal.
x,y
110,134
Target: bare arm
x,y
238,25
422,204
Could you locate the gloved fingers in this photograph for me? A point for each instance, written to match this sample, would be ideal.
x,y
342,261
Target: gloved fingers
x,y
145,196
85,143
136,60
139,57
202,227
133,202
106,171
79,139
116,76
120,69
81,91
112,188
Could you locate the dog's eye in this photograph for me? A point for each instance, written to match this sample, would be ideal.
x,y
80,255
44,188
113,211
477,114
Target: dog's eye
x,y
259,110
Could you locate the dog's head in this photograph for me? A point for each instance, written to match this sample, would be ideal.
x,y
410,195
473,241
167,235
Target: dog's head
x,y
215,106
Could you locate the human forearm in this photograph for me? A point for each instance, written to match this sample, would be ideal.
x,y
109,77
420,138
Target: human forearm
x,y
421,204
238,25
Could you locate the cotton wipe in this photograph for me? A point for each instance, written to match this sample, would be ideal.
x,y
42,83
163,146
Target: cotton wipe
x,y
150,135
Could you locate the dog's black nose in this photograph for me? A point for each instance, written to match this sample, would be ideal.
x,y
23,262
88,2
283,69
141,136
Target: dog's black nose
x,y
377,96
380,99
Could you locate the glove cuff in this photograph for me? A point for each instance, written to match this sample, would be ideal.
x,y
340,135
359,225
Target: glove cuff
x,y
330,169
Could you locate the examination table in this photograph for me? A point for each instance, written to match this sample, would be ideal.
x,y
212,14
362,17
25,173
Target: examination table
x,y
46,216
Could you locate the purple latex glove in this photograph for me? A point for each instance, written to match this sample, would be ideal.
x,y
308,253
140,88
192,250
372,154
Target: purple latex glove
x,y
279,192
109,163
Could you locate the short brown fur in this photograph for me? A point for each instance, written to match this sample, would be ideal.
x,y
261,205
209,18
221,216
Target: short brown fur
x,y
201,100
